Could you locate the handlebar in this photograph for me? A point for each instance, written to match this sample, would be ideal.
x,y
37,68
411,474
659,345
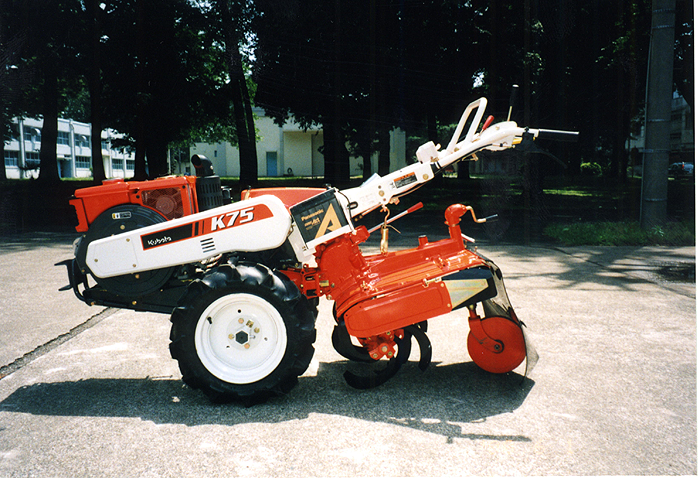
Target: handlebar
x,y
557,135
382,190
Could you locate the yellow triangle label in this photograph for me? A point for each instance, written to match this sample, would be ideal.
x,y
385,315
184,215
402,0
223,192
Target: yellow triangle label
x,y
330,222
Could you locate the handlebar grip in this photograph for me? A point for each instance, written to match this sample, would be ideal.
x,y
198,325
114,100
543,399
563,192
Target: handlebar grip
x,y
558,135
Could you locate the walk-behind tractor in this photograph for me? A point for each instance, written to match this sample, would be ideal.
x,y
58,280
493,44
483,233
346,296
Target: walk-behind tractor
x,y
242,280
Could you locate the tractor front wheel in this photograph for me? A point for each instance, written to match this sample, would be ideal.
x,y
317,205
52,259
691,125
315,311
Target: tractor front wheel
x,y
243,332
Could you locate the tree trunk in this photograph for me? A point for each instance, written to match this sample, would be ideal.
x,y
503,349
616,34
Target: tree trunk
x,y
240,97
95,85
366,144
245,127
48,171
384,162
4,119
3,173
140,173
157,155
336,159
658,115
335,154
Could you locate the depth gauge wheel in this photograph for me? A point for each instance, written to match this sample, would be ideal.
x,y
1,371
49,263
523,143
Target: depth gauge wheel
x,y
242,332
512,341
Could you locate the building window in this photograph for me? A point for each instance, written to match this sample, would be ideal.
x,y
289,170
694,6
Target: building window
x,y
105,144
116,164
32,134
63,138
31,160
82,162
11,158
82,140
129,164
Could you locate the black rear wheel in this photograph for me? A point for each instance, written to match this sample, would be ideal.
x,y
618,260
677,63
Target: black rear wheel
x,y
242,332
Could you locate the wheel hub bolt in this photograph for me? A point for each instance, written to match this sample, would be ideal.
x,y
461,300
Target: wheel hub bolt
x,y
242,338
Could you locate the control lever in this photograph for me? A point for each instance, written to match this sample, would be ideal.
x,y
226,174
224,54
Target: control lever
x,y
402,214
513,97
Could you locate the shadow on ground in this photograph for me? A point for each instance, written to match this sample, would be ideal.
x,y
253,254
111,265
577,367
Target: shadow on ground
x,y
435,401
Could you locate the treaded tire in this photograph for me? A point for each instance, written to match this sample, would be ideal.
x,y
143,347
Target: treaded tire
x,y
243,332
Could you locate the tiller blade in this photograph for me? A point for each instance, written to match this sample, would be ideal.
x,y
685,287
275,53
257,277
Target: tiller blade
x,y
403,342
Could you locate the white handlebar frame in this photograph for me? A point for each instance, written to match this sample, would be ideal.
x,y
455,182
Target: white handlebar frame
x,y
380,191
481,104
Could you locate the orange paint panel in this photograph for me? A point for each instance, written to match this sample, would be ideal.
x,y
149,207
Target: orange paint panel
x,y
115,192
396,310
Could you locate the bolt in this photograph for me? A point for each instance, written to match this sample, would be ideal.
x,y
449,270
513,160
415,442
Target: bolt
x,y
230,336
256,330
240,321
242,338
247,346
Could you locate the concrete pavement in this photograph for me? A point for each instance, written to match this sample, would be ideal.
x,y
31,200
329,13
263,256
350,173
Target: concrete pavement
x,y
614,391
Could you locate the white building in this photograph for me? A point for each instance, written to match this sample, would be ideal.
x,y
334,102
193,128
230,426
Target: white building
x,y
72,151
286,151
282,151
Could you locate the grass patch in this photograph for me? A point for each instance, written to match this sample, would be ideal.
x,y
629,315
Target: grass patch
x,y
622,234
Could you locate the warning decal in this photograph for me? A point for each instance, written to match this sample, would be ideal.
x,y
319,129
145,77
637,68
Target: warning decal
x,y
405,180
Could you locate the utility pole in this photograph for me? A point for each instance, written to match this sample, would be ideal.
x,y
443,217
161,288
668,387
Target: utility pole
x,y
657,142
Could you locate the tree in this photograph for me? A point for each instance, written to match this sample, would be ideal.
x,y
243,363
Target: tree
x,y
163,79
233,20
359,74
684,63
658,115
10,81
50,49
94,14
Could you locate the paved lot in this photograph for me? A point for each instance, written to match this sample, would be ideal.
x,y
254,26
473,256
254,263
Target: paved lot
x,y
614,391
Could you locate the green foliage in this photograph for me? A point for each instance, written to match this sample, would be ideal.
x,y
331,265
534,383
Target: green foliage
x,y
622,234
591,169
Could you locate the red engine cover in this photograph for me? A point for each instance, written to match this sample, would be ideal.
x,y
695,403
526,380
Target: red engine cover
x,y
172,197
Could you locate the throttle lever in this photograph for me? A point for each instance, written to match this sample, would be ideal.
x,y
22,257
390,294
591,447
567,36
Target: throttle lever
x,y
411,209
487,123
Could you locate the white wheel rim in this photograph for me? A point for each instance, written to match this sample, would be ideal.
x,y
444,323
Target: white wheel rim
x,y
240,338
